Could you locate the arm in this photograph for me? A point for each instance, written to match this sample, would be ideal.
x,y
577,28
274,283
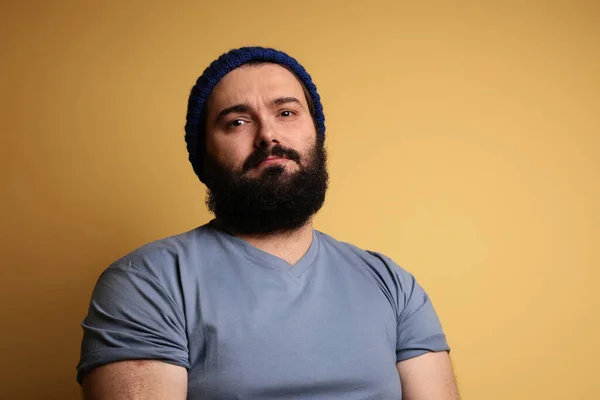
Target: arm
x,y
428,377
134,343
422,357
136,380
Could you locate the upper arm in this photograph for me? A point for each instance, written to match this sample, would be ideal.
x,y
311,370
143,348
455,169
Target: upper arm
x,y
422,355
136,379
428,377
418,327
132,317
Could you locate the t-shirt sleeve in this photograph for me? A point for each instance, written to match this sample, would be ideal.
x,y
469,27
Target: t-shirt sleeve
x,y
418,326
131,316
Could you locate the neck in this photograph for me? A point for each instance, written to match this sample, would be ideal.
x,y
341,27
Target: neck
x,y
289,246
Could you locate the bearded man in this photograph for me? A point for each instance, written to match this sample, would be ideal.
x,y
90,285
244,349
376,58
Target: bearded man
x,y
257,304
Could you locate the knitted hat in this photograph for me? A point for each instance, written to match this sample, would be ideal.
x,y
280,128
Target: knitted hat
x,y
194,129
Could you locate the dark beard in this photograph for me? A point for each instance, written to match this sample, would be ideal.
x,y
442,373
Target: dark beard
x,y
274,202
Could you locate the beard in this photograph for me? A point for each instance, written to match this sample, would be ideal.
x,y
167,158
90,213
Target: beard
x,y
274,202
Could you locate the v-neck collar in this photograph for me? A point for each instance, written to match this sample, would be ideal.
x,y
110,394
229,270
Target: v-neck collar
x,y
261,257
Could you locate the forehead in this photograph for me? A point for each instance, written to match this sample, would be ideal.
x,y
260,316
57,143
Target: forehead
x,y
248,82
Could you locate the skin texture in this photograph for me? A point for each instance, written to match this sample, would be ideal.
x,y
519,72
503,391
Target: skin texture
x,y
428,377
250,106
136,380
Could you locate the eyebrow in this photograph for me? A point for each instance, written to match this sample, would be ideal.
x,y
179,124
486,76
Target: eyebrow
x,y
286,100
238,108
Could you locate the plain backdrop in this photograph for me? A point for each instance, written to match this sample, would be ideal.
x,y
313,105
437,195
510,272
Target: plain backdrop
x,y
464,142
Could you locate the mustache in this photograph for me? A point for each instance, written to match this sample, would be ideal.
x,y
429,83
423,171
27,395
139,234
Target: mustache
x,y
259,155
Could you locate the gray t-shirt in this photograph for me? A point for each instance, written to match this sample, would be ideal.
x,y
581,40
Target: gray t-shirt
x,y
247,325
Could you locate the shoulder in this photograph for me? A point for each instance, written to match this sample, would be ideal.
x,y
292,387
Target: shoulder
x,y
169,246
168,258
331,244
382,266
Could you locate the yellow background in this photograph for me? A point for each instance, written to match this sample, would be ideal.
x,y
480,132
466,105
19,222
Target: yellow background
x,y
464,142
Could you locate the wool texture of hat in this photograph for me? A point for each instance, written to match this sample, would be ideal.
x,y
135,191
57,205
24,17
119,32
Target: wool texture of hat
x,y
227,62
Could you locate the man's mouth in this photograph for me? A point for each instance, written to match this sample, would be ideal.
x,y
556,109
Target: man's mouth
x,y
273,160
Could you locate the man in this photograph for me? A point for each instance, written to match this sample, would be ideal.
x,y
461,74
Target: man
x,y
257,304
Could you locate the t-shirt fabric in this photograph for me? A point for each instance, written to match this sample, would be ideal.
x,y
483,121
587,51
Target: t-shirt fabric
x,y
248,325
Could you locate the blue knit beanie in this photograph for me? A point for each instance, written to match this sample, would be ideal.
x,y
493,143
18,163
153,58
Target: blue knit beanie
x,y
194,128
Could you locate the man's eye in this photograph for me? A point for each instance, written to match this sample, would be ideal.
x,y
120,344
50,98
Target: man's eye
x,y
237,122
286,114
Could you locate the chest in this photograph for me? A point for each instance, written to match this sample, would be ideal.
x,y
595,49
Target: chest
x,y
327,334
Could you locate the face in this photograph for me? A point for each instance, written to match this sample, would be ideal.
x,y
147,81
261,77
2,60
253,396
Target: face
x,y
258,106
265,168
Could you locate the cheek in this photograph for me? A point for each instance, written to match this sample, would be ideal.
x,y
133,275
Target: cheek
x,y
229,152
303,137
307,141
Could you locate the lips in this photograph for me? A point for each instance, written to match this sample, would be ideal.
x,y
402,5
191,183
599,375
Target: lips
x,y
272,159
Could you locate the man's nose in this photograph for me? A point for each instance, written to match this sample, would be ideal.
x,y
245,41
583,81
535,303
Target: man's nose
x,y
266,134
